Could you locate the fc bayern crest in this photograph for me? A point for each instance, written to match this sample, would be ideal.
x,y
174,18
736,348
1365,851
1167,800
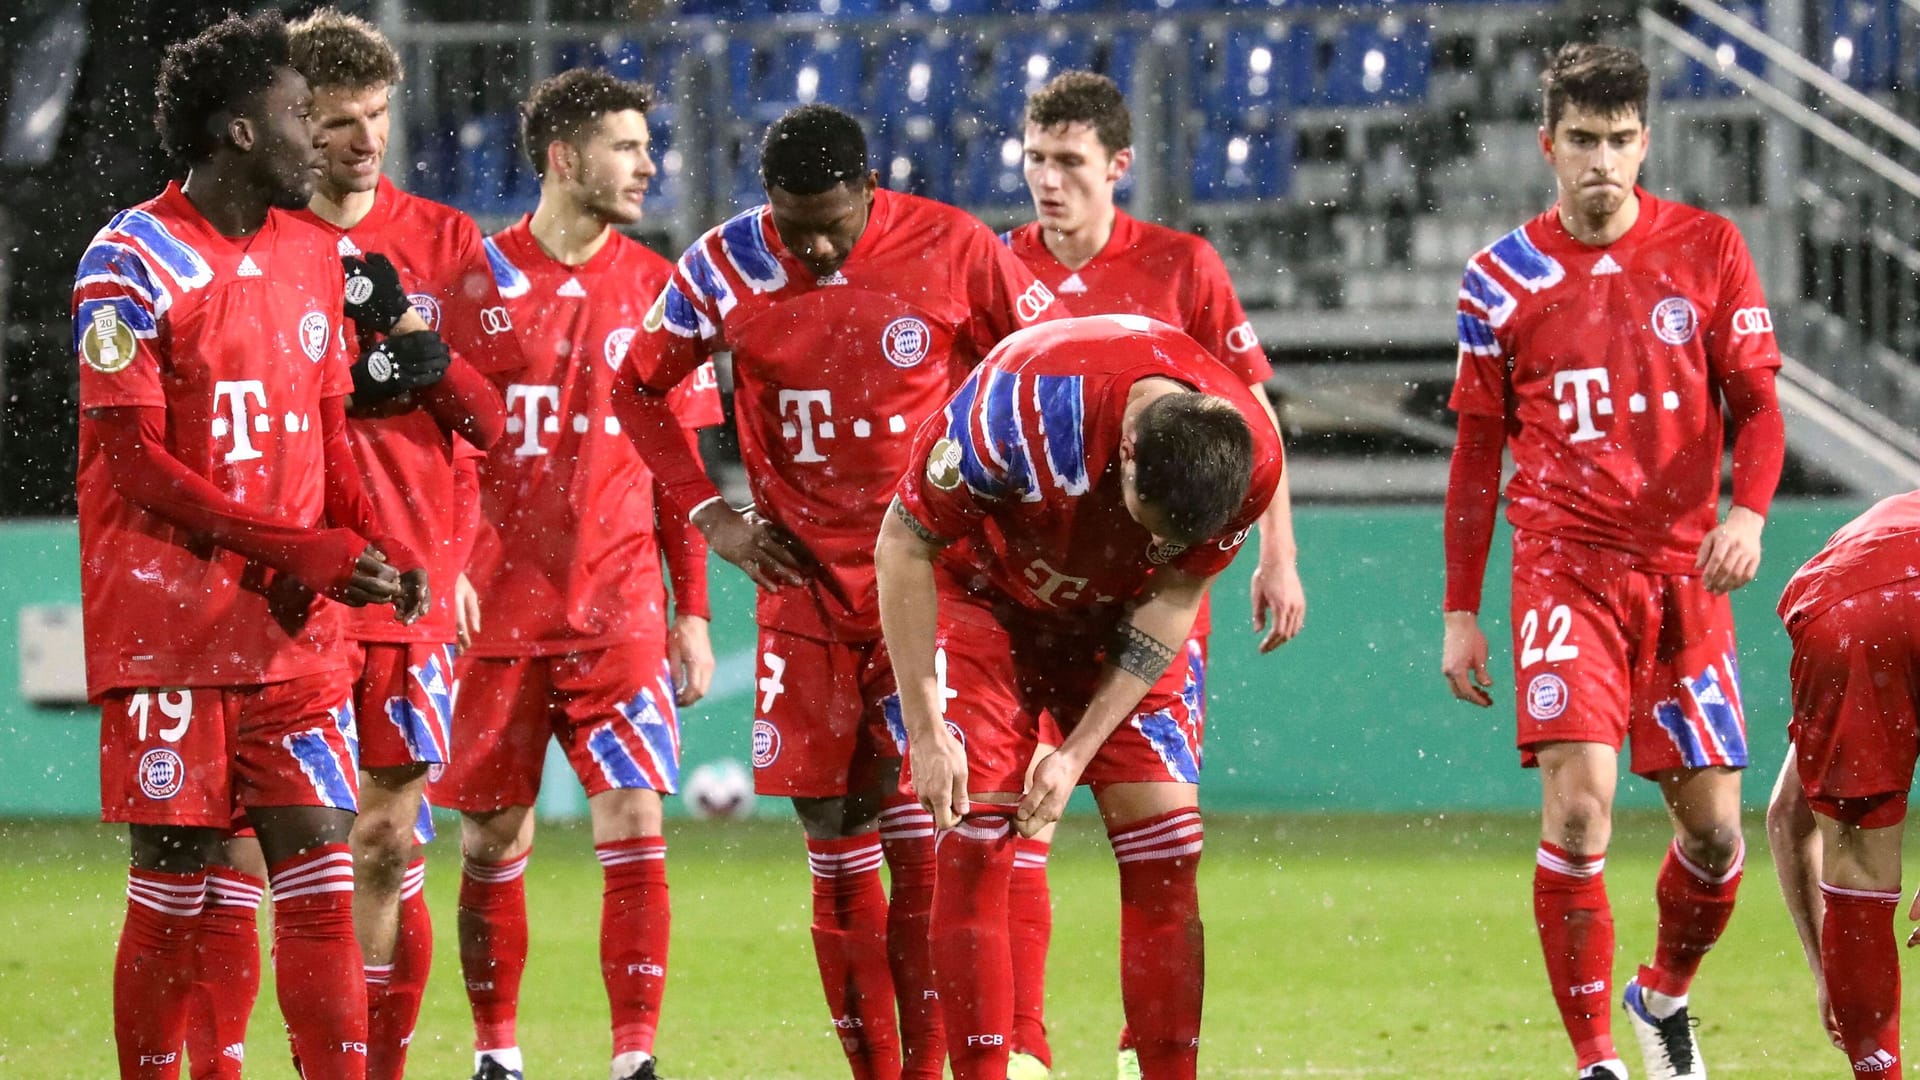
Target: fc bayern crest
x,y
1546,696
906,341
615,348
313,335
766,743
425,306
162,773
1674,320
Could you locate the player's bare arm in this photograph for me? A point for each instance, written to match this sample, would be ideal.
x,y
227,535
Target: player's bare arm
x,y
909,619
769,554
1279,600
1794,840
1143,645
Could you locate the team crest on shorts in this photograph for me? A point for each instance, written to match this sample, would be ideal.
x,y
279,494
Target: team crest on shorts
x,y
1673,320
425,306
1546,696
766,743
906,341
162,773
313,335
943,465
615,348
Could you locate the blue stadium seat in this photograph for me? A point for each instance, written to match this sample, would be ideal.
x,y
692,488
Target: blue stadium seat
x,y
434,166
1242,164
1117,62
830,7
917,74
990,169
1700,80
798,70
914,154
729,10
487,157
1370,68
1253,68
1049,7
1861,43
1021,63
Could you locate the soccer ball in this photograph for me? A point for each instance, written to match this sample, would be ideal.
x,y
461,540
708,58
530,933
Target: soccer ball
x,y
719,789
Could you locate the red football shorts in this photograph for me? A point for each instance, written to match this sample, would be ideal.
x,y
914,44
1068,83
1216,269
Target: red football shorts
x,y
1050,733
1856,682
997,682
1603,652
820,715
403,694
612,710
193,756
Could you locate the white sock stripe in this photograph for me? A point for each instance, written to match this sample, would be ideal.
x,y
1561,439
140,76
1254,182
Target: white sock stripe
x,y
181,908
846,869
345,886
997,828
416,872
1700,872
630,855
181,889
1560,865
329,869
919,832
234,894
1161,853
1861,894
1127,843
1024,861
871,847
906,812
378,974
1141,833
496,873
167,897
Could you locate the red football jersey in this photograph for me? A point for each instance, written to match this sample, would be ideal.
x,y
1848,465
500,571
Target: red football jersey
x,y
239,340
1880,547
832,376
567,559
1606,363
1162,273
406,459
1023,465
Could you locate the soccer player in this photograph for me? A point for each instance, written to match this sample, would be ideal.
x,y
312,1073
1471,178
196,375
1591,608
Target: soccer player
x,y
850,311
576,644
1852,612
218,499
1600,339
1049,551
1100,260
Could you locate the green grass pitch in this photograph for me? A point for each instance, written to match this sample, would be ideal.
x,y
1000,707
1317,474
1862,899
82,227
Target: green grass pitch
x,y
1343,946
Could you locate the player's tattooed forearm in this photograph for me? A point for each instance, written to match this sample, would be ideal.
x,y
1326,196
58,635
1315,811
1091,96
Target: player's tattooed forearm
x,y
927,536
1139,653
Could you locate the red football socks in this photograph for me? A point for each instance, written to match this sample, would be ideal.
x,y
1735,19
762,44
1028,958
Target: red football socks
x,y
1030,923
1576,937
392,1013
152,970
1162,945
850,946
1694,909
317,966
634,925
972,959
493,946
1862,967
227,980
906,837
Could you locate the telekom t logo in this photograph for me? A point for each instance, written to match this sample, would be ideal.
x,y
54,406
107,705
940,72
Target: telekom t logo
x,y
232,398
802,425
524,415
1584,405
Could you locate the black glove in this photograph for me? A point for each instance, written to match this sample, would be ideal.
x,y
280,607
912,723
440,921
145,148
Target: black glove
x,y
399,364
375,298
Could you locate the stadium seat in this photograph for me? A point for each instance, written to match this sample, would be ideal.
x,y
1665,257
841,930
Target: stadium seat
x,y
832,8
914,155
1699,80
1375,63
484,177
1861,43
1246,163
1049,7
948,7
768,80
1253,68
1021,63
729,10
990,168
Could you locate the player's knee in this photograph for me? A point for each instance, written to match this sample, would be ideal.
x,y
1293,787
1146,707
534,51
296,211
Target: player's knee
x,y
1713,848
496,836
383,843
1581,822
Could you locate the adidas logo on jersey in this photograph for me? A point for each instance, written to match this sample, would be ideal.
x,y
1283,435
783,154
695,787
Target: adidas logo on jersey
x,y
572,288
1606,265
247,267
1072,285
346,246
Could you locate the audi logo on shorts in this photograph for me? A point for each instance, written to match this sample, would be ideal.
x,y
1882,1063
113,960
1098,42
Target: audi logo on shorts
x,y
1752,320
495,320
162,773
1032,302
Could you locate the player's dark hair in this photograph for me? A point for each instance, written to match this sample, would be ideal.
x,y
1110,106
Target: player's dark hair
x,y
566,107
334,49
813,149
221,70
1192,461
1608,80
1082,97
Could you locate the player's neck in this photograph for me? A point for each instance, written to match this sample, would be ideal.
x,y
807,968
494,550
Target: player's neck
x,y
568,234
344,210
1602,231
1077,248
232,205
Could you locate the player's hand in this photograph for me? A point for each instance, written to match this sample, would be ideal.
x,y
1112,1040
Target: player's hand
x,y
1050,783
689,658
1463,659
398,364
1825,1002
1730,555
466,611
940,776
1279,603
373,581
375,298
769,554
414,598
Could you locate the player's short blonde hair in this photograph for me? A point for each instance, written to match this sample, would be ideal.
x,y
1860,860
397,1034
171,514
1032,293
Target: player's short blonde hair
x,y
336,50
